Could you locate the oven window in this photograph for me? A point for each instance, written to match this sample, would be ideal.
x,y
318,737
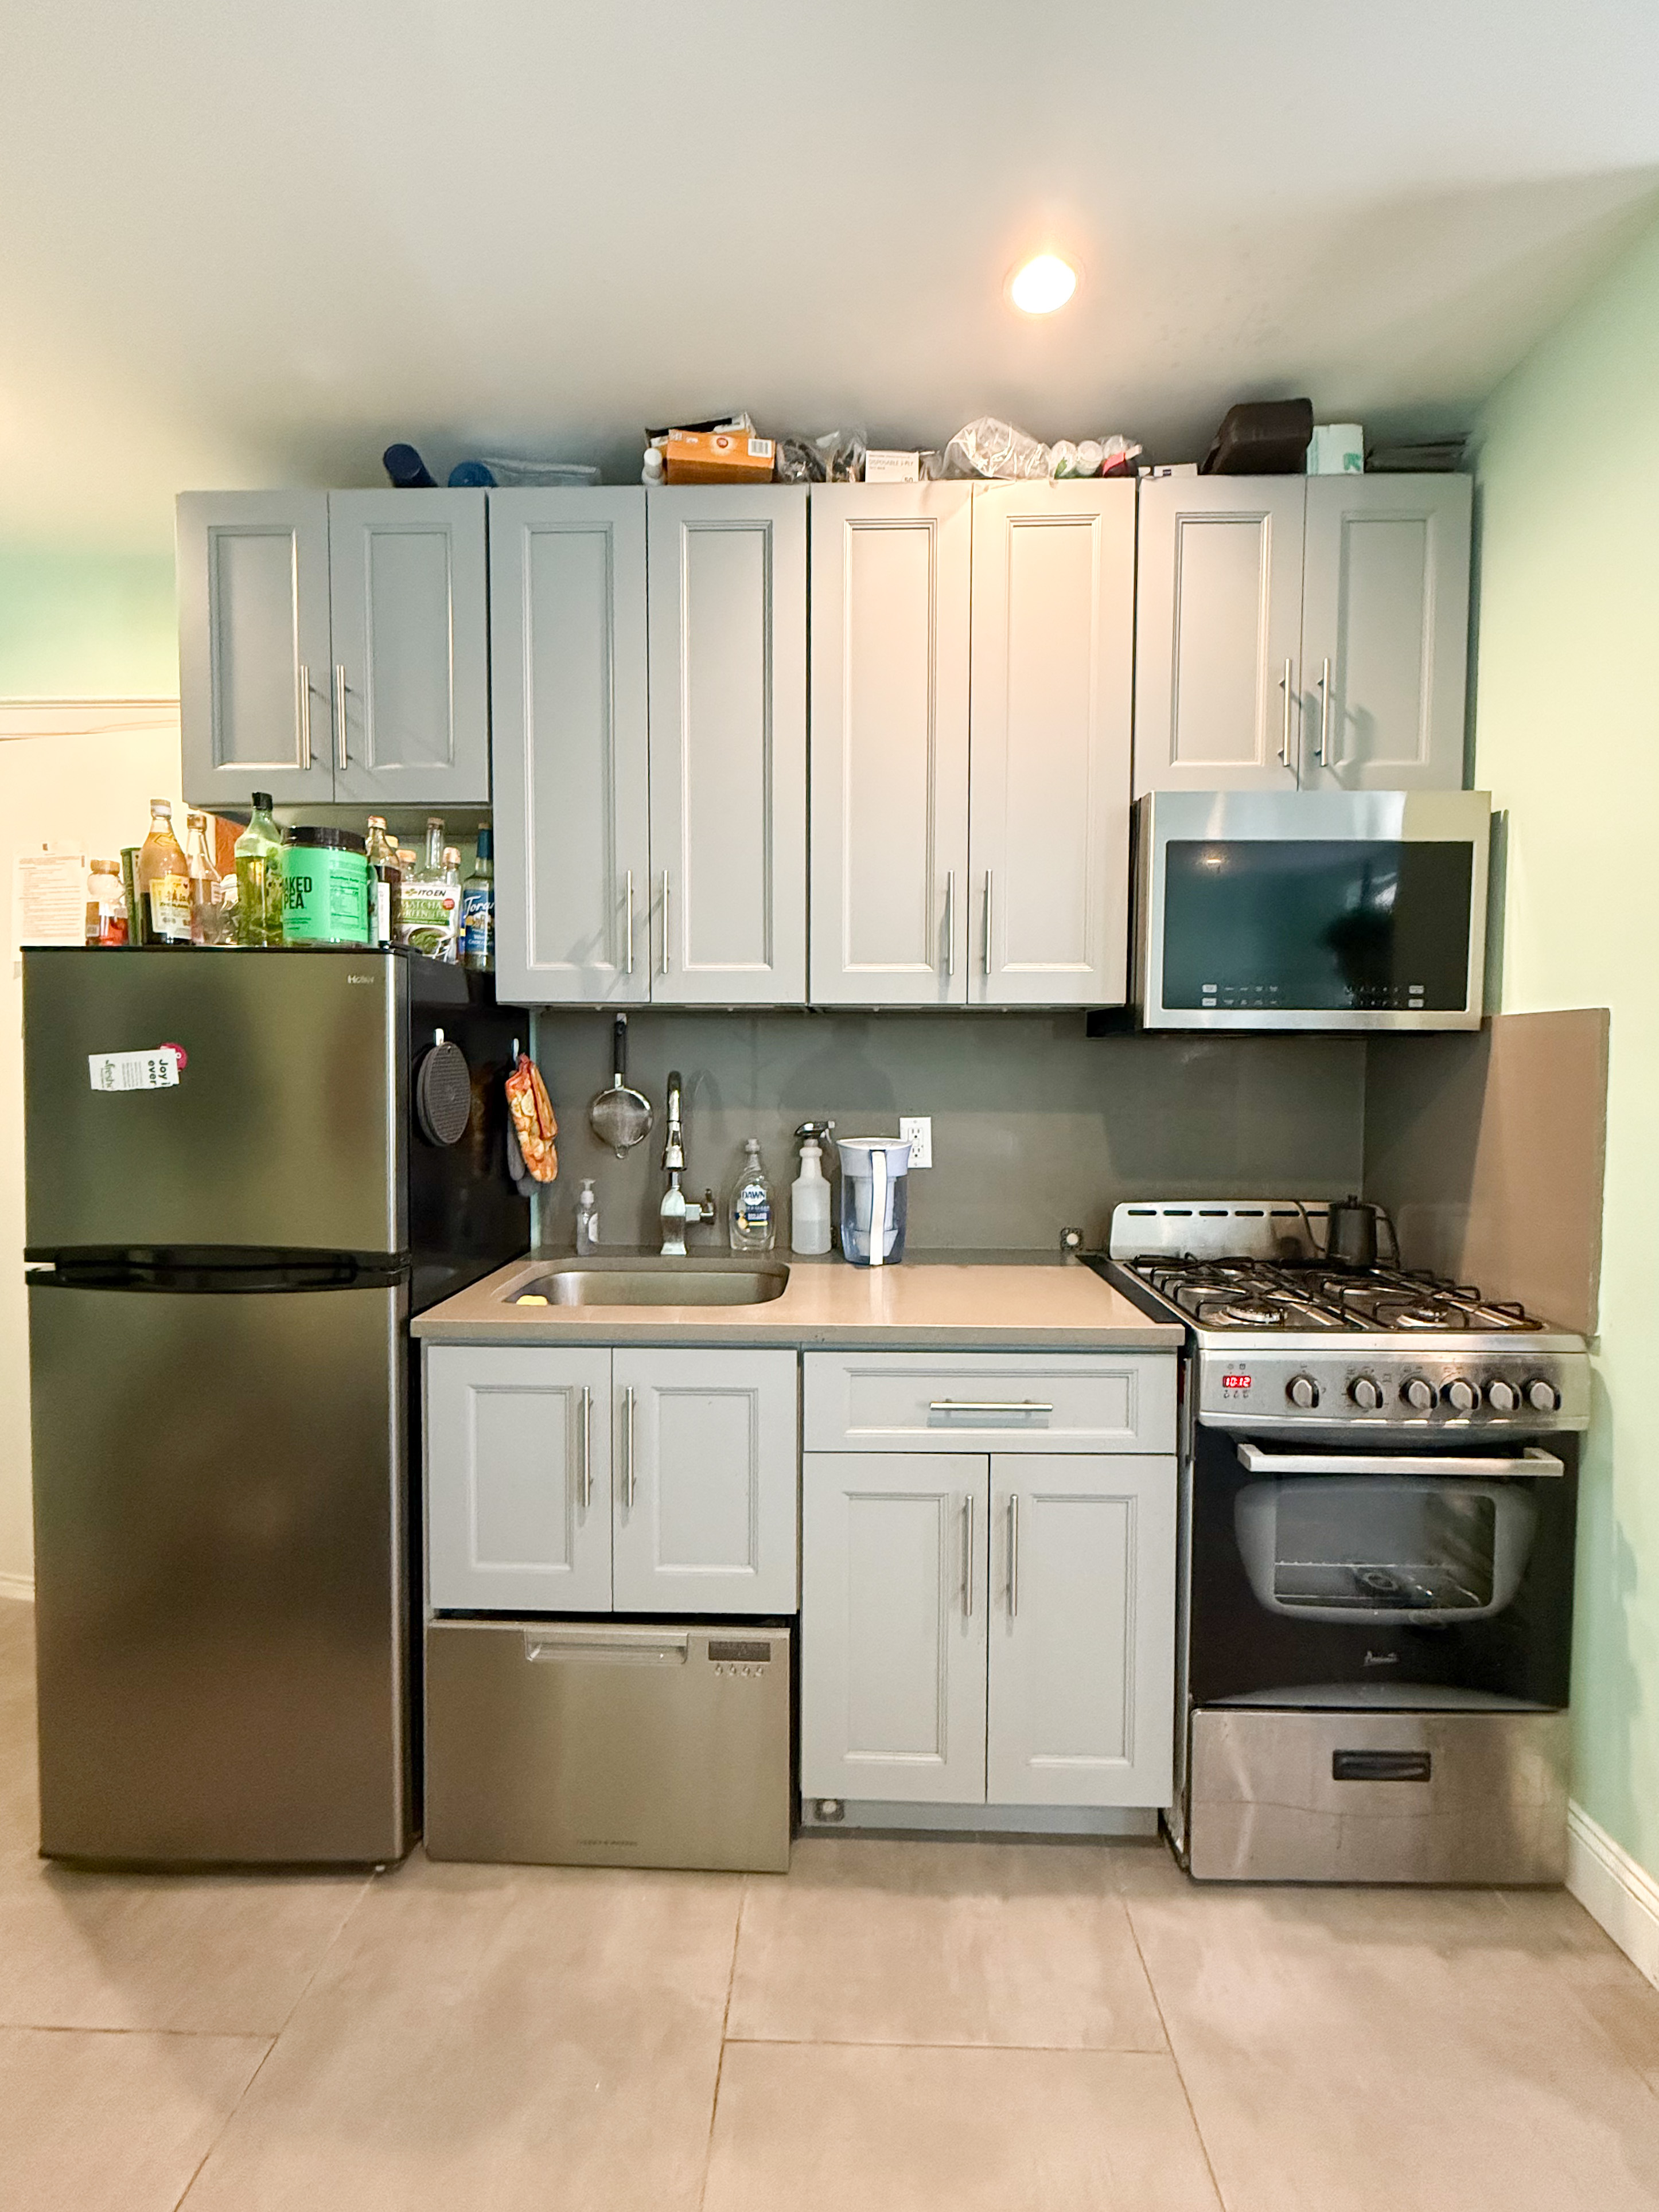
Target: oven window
x,y
1303,924
1382,1547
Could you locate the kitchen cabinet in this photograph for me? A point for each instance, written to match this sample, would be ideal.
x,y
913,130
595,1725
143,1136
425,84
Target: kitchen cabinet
x,y
1306,632
973,647
587,1481
704,1502
518,1456
650,745
333,647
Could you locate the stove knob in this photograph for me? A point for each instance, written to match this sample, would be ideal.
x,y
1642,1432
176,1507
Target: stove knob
x,y
1302,1392
1418,1394
1462,1397
1503,1397
1366,1393
1543,1397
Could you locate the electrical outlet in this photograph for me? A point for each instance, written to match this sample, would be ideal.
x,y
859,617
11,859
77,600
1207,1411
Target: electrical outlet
x,y
918,1127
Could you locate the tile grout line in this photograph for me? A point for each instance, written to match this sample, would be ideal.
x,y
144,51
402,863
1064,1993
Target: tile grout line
x,y
720,2064
1157,2006
927,2043
218,2138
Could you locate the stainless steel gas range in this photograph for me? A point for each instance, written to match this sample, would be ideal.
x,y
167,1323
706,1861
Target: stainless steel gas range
x,y
1378,1498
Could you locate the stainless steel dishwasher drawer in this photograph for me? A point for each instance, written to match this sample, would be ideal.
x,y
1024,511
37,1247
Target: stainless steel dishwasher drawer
x,y
564,1744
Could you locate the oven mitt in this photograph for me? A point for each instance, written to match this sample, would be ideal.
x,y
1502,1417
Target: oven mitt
x,y
532,1125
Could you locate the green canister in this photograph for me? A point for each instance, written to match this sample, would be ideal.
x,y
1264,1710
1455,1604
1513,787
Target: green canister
x,y
325,888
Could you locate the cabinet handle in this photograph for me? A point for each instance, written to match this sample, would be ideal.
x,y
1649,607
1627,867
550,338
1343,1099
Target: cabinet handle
x,y
1013,1554
967,1557
988,1405
339,733
1324,714
586,1447
628,1448
1284,685
950,922
666,955
631,921
304,704
987,947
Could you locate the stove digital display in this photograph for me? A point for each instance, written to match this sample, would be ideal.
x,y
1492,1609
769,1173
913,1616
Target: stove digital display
x,y
1236,1382
1307,924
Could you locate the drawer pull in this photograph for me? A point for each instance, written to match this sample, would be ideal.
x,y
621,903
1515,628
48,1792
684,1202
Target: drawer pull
x,y
967,1557
988,1405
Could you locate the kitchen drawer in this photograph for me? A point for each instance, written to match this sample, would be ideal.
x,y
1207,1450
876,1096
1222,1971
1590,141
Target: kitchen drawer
x,y
1015,1401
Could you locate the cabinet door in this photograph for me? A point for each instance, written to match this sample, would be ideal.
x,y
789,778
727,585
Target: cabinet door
x,y
891,582
892,1627
729,743
1083,1631
1218,634
410,677
570,746
1385,632
1049,724
253,646
518,1452
706,1455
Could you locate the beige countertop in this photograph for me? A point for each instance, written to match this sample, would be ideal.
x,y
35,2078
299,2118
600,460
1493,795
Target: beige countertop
x,y
954,1304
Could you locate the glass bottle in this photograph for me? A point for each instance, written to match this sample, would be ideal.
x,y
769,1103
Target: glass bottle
x,y
434,867
106,904
259,878
478,909
752,1226
385,883
164,880
450,887
208,916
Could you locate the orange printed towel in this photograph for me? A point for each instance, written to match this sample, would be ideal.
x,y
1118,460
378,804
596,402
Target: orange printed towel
x,y
532,1120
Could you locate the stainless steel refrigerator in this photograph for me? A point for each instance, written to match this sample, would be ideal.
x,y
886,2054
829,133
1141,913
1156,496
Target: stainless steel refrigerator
x,y
225,1242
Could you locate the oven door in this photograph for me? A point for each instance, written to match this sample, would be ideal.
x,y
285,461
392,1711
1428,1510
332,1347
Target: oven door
x,y
1315,910
1374,1577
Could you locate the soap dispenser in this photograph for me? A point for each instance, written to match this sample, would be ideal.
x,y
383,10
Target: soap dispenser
x,y
809,1194
587,1218
752,1225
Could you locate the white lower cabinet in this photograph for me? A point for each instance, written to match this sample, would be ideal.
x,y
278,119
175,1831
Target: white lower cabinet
x,y
585,1481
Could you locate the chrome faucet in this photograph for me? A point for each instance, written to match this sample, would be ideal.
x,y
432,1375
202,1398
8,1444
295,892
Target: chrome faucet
x,y
676,1209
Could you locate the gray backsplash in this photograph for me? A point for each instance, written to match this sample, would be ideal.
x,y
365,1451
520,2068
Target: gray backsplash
x,y
1035,1125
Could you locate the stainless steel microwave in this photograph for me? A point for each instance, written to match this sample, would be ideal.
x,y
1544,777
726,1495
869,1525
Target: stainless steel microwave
x,y
1311,909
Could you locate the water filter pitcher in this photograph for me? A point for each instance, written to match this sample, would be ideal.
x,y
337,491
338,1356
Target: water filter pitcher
x,y
875,1178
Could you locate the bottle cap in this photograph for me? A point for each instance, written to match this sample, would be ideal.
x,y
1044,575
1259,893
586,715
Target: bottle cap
x,y
451,856
262,802
486,843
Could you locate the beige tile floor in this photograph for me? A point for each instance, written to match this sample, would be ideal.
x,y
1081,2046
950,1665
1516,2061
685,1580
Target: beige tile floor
x,y
893,2027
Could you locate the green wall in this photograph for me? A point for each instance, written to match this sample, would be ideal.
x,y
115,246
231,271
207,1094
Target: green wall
x,y
1567,740
86,625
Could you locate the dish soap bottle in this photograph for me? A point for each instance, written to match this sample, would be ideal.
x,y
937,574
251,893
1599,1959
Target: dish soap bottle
x,y
752,1224
809,1196
587,1218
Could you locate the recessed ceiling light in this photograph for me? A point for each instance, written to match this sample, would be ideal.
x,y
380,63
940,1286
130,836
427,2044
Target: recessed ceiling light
x,y
1043,284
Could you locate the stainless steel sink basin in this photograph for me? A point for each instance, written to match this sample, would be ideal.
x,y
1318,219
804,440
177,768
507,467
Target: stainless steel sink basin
x,y
654,1283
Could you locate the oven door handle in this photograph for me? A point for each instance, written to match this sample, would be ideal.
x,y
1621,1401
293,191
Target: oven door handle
x,y
1533,1460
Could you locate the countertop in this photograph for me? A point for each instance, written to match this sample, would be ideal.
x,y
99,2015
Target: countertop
x,y
952,1303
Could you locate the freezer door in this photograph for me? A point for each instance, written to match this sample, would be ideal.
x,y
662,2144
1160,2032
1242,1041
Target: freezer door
x,y
221,1575
282,1129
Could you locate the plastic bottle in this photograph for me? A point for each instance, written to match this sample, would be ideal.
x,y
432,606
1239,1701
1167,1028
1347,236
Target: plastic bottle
x,y
477,908
753,1227
810,1202
164,880
259,878
107,905
587,1218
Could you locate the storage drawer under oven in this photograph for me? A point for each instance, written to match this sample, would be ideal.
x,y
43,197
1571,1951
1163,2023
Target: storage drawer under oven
x,y
1038,1401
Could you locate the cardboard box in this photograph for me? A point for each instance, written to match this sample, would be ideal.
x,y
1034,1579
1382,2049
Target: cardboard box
x,y
717,457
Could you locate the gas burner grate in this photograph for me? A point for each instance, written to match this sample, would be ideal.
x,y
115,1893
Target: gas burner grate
x,y
1246,1293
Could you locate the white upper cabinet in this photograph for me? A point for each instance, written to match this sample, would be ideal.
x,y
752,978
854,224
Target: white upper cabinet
x,y
1049,718
255,670
570,743
1218,633
1310,630
409,597
333,645
1385,631
891,593
727,660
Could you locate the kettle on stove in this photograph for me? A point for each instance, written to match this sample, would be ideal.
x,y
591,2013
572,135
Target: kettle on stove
x,y
1351,1233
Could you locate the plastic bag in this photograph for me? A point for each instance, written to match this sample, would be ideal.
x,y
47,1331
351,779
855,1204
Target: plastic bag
x,y
837,457
988,447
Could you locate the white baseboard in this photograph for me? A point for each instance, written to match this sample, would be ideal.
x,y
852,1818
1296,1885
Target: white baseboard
x,y
1614,1890
18,1586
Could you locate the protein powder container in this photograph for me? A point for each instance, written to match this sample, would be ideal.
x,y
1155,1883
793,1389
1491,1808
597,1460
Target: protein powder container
x,y
325,887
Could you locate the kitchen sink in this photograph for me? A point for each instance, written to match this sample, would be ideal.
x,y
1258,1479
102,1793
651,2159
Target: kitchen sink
x,y
649,1282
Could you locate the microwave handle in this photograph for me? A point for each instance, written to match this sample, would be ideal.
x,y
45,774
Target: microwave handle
x,y
1531,1462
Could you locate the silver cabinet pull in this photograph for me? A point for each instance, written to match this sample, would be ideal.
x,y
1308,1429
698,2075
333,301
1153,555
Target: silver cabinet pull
x,y
631,922
339,733
988,1405
628,1448
1325,714
950,921
1013,1554
304,704
967,1557
586,1447
1284,740
666,956
988,922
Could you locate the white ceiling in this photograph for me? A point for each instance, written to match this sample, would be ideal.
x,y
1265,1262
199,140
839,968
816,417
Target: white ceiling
x,y
251,243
